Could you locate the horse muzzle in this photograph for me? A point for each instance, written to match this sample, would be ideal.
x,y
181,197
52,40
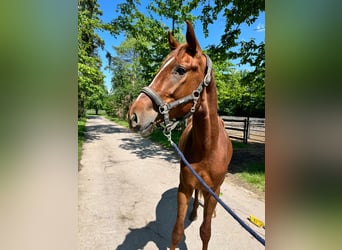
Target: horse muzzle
x,y
141,117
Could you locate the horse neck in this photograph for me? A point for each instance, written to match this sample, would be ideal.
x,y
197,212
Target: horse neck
x,y
205,123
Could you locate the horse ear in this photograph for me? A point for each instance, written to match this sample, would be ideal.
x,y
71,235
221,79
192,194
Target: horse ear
x,y
172,41
193,45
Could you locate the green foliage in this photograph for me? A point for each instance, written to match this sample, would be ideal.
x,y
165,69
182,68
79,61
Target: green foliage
x,y
127,78
250,92
235,96
158,137
235,13
174,10
93,112
90,78
109,104
81,130
254,81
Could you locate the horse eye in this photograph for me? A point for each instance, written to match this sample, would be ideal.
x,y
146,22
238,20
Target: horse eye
x,y
181,70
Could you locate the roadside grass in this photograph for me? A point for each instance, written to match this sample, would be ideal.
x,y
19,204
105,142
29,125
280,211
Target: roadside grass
x,y
237,144
158,137
81,129
254,173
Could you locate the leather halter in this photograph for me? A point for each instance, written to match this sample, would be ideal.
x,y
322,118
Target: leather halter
x,y
164,108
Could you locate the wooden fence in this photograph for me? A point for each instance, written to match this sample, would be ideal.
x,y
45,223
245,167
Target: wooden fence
x,y
245,128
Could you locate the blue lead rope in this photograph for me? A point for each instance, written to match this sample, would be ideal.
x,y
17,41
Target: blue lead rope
x,y
242,223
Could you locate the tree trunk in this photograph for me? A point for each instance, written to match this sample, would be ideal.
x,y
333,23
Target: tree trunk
x,y
81,109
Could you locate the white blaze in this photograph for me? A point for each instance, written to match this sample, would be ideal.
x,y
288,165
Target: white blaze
x,y
165,65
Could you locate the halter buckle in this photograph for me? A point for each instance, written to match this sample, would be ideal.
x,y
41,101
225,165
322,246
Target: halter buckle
x,y
163,109
196,94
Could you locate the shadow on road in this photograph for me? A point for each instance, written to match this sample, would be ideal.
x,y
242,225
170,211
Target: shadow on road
x,y
144,148
94,132
158,231
249,159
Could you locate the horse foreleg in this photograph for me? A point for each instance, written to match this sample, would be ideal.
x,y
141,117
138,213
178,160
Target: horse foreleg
x,y
193,215
209,209
183,197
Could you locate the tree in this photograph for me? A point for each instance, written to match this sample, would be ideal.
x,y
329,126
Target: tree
x,y
90,77
253,81
175,10
127,77
236,13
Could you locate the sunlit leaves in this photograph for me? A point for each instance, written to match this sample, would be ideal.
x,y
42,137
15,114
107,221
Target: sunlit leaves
x,y
90,77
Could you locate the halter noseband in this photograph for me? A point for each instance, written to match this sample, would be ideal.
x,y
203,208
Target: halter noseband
x,y
164,108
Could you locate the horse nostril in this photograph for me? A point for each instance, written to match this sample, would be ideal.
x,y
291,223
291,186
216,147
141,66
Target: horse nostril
x,y
134,120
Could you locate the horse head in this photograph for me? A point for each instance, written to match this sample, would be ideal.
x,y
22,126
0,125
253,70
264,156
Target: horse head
x,y
175,90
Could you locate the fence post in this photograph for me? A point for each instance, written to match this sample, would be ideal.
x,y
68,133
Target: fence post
x,y
245,131
248,128
249,125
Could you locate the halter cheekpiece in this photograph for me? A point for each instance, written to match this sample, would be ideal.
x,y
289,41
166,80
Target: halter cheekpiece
x,y
164,108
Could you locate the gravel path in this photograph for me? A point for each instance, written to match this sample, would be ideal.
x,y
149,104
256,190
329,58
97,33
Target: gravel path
x,y
127,196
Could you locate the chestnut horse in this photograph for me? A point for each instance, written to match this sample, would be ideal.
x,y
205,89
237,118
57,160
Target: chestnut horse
x,y
185,87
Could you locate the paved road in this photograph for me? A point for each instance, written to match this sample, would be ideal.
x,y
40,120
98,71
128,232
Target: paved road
x,y
127,196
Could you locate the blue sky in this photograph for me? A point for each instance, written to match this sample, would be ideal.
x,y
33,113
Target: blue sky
x,y
108,7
